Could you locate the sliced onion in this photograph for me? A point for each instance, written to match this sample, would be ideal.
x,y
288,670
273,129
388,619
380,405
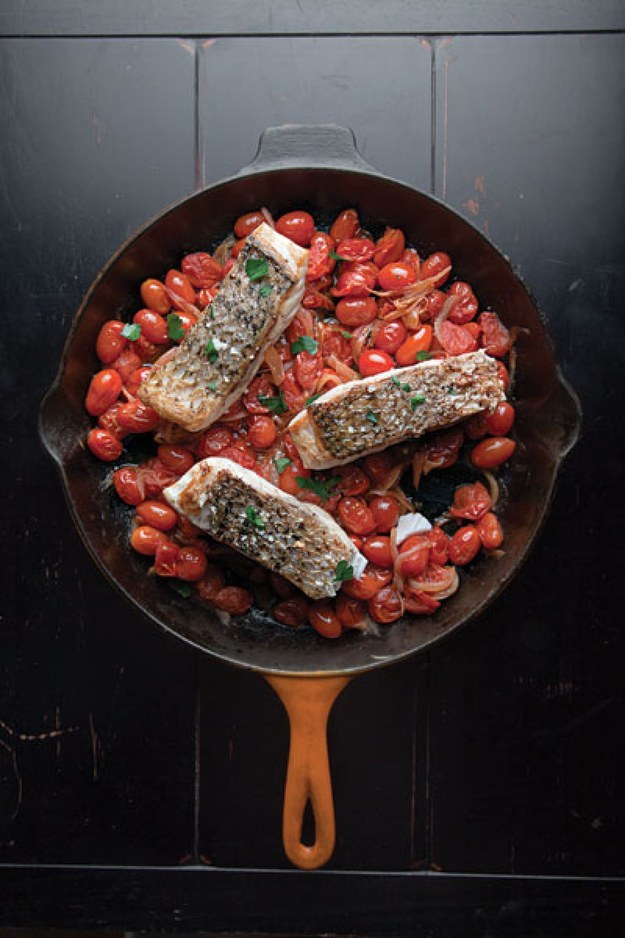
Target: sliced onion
x,y
180,303
493,487
398,580
327,381
240,414
274,362
267,216
497,553
448,305
425,586
451,589
361,336
343,371
221,254
418,462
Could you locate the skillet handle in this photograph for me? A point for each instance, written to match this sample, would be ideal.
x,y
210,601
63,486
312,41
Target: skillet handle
x,y
292,146
308,701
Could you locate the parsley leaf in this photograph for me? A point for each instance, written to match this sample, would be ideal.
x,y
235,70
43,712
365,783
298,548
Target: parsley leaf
x,y
397,382
212,386
275,404
344,571
175,330
132,331
305,344
252,515
311,399
419,399
183,589
337,257
256,268
281,463
211,352
451,390
265,289
346,335
423,356
211,313
371,417
322,489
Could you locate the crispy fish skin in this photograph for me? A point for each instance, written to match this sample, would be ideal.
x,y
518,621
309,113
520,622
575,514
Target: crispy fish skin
x,y
239,508
195,385
365,416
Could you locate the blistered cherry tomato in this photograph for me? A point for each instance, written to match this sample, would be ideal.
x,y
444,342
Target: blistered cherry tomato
x,y
154,296
418,602
324,619
411,257
110,342
456,340
435,302
104,389
390,336
370,583
419,341
353,480
355,249
503,374
234,599
377,549
475,427
385,511
298,226
187,320
442,451
175,457
128,485
319,261
153,326
396,276
466,308
179,284
471,501
137,417
464,545
413,555
501,420
495,336
288,479
307,369
260,387
294,396
147,351
357,281
345,225
191,564
157,515
351,612
374,362
211,583
214,440
356,310
389,247
292,611
386,606
439,546
165,559
108,420
241,454
127,362
145,539
492,452
135,379
378,466
489,530
261,432
237,247
245,224
355,515
435,264
201,270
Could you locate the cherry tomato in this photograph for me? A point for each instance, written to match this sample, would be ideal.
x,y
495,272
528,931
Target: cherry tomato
x,y
234,599
489,530
201,270
314,299
245,224
389,247
419,341
147,351
294,397
353,480
378,466
155,297
355,515
154,477
474,328
307,369
439,546
385,511
374,362
110,342
298,226
390,336
108,421
187,320
302,324
356,310
237,247
240,454
411,257
351,612
495,336
175,457
228,265
464,545
355,249
128,485
475,427
334,343
435,264
501,420
456,340
503,374
442,451
261,432
492,452
211,583
145,539
153,326
358,281
282,587
370,583
205,295
324,619
387,606
292,612
435,302
471,501
396,276
165,559
134,380
288,479
104,389
127,362
157,515
466,308
137,417
260,387
319,261
180,284
213,441
414,555
345,225
377,549
191,564
356,541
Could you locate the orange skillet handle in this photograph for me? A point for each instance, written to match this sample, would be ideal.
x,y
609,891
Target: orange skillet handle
x,y
308,701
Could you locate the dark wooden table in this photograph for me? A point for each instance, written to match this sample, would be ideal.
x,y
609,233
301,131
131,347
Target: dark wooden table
x,y
478,787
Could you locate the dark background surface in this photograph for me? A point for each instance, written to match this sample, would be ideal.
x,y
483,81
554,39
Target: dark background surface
x,y
478,787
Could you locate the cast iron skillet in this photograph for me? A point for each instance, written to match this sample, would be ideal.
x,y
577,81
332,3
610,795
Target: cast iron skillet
x,y
318,168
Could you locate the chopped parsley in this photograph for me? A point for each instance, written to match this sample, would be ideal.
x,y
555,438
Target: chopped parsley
x,y
397,382
212,386
265,289
371,417
451,390
211,313
256,268
423,356
305,344
211,352
336,257
419,399
275,404
252,515
311,399
281,463
346,335
344,571
175,329
132,331
183,589
322,489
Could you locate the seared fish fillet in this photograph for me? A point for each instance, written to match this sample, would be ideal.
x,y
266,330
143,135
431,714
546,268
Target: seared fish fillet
x,y
216,361
236,506
366,416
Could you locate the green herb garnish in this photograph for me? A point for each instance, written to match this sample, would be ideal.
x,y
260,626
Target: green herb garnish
x,y
337,257
397,382
211,352
265,289
451,390
371,417
256,268
132,331
311,399
252,515
423,356
211,313
281,463
275,404
346,335
305,344
322,489
212,386
183,589
344,571
175,329
419,399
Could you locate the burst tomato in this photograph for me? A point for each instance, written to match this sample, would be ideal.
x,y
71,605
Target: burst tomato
x,y
104,445
385,511
466,308
413,555
370,583
355,249
175,457
345,225
436,265
390,336
495,336
157,514
298,226
319,261
323,618
386,606
389,247
471,501
355,515
201,270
